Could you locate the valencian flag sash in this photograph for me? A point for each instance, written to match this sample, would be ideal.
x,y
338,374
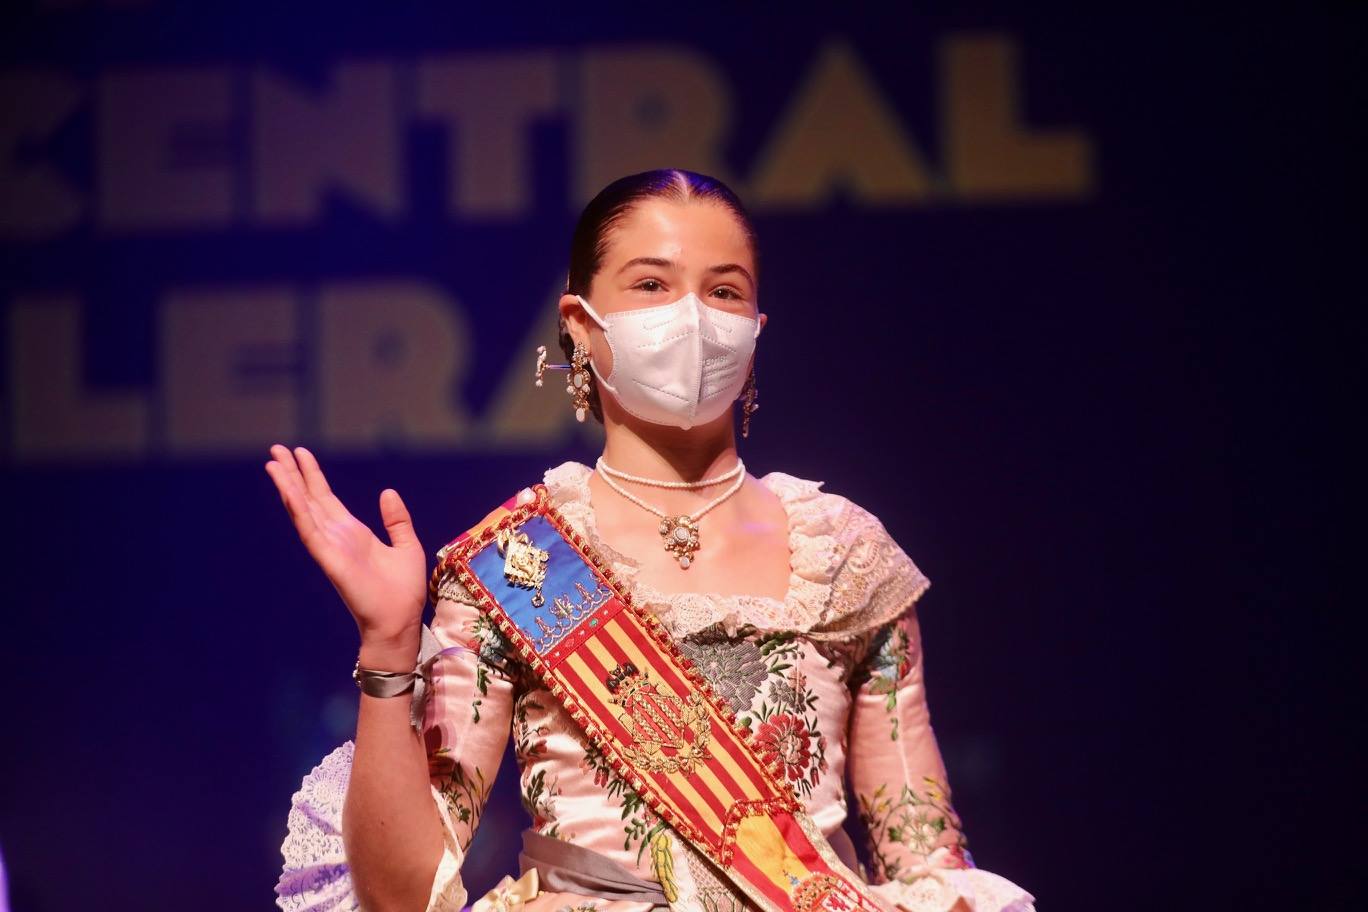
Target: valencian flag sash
x,y
623,680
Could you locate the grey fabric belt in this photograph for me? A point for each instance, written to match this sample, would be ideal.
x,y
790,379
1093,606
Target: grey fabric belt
x,y
564,867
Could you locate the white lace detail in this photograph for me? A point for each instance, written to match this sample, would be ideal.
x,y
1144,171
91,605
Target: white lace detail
x,y
449,587
847,575
315,876
982,891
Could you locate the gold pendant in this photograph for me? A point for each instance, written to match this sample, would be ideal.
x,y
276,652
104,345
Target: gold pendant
x,y
679,535
524,562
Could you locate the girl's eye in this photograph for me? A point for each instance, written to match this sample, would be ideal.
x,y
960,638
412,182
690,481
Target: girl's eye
x,y
649,285
727,292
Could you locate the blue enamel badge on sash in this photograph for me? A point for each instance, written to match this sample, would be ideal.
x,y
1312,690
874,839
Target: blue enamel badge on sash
x,y
572,591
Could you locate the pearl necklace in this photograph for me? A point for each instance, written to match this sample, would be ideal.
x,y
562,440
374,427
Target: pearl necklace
x,y
606,469
679,534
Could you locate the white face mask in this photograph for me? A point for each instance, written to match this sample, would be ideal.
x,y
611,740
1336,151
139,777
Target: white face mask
x,y
680,364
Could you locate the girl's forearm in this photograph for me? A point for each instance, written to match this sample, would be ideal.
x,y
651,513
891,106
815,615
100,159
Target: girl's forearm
x,y
391,829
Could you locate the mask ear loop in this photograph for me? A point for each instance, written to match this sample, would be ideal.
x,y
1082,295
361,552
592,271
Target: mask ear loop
x,y
603,324
593,314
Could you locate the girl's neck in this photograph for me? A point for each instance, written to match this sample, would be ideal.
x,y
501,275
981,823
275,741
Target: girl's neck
x,y
669,453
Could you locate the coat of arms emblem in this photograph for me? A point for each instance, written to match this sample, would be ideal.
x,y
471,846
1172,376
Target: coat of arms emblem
x,y
666,733
825,893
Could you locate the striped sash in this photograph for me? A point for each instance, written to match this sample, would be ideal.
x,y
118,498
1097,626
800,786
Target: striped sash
x,y
623,680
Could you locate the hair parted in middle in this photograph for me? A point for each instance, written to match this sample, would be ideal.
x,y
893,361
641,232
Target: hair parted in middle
x,y
590,240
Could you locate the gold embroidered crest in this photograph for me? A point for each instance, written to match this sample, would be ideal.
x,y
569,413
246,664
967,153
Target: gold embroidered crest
x,y
666,733
825,893
524,562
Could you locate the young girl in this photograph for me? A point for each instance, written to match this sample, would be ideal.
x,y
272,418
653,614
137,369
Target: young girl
x,y
792,606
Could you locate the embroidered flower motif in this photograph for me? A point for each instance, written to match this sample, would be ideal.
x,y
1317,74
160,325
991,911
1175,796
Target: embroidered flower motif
x,y
589,761
784,738
890,659
893,655
919,831
735,669
815,776
784,693
493,654
907,825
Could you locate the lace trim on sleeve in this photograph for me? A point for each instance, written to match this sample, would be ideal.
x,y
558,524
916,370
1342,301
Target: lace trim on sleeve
x,y
940,889
315,873
868,579
449,587
315,876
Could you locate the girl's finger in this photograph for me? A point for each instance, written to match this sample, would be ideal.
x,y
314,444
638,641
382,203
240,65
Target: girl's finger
x,y
295,505
293,476
294,483
318,484
287,462
313,475
397,521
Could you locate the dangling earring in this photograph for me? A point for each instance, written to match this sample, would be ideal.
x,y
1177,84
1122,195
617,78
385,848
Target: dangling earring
x,y
578,385
748,404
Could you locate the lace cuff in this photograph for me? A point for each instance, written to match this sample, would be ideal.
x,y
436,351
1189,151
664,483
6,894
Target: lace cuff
x,y
950,889
315,876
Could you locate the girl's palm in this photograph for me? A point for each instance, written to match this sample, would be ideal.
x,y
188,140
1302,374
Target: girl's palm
x,y
384,586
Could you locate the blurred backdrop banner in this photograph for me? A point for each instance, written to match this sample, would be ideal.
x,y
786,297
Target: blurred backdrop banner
x,y
991,252
354,248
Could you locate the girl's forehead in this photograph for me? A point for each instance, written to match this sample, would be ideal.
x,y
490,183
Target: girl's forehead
x,y
663,228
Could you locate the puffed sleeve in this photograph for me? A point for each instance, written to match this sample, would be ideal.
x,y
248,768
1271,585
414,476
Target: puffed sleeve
x,y
918,853
466,715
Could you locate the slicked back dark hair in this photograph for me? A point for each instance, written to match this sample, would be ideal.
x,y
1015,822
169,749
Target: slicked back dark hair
x,y
590,241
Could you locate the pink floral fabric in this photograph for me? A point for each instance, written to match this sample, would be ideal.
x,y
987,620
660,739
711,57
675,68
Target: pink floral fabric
x,y
829,680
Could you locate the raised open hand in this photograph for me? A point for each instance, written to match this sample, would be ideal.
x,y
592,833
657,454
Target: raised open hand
x,y
384,586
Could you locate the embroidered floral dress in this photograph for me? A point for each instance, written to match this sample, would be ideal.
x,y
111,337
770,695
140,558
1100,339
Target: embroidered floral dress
x,y
828,679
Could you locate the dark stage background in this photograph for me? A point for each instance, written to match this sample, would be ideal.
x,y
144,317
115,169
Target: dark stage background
x,y
1046,294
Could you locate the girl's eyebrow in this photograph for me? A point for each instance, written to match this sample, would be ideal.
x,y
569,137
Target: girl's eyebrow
x,y
732,267
670,264
646,261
